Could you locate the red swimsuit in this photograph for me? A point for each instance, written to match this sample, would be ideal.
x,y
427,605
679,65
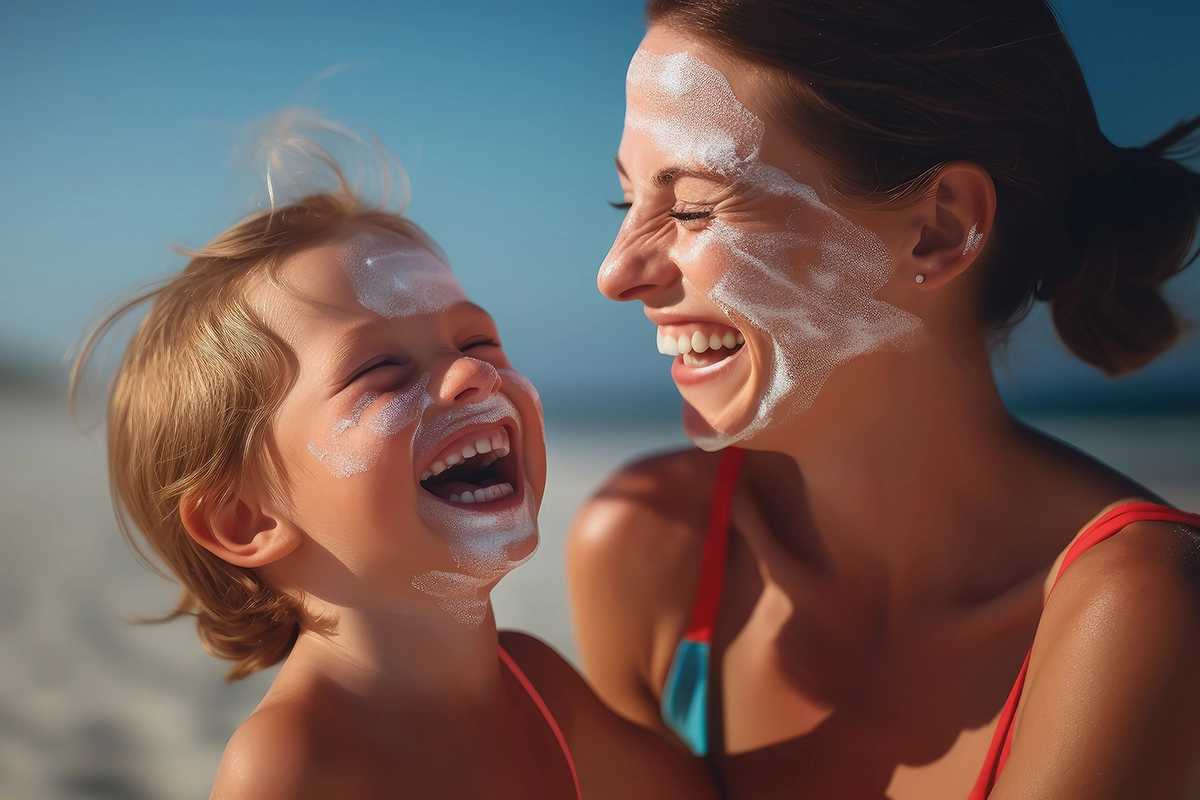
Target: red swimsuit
x,y
685,696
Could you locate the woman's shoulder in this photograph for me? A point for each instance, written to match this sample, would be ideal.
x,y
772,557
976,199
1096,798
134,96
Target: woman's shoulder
x,y
1114,661
1148,568
634,555
655,508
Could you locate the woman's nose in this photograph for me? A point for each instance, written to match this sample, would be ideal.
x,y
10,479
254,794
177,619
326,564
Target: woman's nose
x,y
635,267
468,380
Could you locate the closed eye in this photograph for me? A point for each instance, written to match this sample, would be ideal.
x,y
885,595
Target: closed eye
x,y
375,364
483,341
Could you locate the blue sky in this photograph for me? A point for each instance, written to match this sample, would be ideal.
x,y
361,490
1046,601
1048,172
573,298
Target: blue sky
x,y
122,123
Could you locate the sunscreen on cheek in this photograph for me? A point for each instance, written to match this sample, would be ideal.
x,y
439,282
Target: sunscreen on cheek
x,y
353,446
807,288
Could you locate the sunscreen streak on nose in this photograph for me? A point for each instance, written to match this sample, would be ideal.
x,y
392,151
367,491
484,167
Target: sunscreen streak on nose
x,y
485,545
809,288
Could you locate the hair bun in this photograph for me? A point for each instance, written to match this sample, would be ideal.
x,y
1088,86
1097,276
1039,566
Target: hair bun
x,y
1133,215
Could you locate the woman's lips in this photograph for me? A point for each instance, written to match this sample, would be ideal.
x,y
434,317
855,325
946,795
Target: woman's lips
x,y
687,375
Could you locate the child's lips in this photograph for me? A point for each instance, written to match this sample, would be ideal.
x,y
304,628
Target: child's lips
x,y
479,468
493,440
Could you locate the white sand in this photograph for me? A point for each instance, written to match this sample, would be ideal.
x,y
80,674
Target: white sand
x,y
91,706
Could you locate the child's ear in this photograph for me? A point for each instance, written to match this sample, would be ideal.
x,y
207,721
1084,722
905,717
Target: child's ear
x,y
951,226
238,530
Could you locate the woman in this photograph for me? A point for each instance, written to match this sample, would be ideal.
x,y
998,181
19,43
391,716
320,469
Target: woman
x,y
833,211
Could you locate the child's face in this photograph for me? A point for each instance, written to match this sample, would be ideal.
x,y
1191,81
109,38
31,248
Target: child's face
x,y
415,454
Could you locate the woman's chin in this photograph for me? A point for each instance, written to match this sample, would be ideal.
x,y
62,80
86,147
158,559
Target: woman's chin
x,y
711,432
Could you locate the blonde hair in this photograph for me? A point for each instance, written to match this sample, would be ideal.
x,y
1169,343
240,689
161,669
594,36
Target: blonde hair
x,y
191,406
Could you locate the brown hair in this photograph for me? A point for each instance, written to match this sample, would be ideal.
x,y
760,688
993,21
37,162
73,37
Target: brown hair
x,y
191,407
889,91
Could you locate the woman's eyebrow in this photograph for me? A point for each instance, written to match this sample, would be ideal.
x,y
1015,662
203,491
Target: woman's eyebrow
x,y
667,176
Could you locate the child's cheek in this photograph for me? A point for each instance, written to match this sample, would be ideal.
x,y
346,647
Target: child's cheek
x,y
356,437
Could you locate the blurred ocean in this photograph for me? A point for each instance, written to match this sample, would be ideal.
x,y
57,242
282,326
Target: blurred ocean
x,y
92,706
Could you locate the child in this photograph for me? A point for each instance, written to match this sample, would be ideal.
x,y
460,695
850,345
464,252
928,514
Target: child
x,y
324,441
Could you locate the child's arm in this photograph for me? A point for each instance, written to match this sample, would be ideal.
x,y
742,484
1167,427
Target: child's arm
x,y
615,758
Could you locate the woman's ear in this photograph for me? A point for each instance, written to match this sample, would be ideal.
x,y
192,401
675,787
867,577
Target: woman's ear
x,y
239,529
952,226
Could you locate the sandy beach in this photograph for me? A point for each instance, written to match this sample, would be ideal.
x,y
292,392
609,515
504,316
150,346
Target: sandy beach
x,y
92,706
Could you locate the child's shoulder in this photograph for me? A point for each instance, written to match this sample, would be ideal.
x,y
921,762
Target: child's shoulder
x,y
296,744
271,755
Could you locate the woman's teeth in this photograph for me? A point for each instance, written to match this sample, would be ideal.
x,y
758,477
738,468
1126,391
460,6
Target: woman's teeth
x,y
698,342
484,495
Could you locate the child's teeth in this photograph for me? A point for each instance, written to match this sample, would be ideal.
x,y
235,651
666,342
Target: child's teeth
x,y
483,446
484,494
453,458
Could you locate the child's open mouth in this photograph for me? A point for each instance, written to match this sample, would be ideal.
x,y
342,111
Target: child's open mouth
x,y
475,467
700,344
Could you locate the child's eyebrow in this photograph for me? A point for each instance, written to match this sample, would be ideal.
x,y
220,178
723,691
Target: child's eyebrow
x,y
345,348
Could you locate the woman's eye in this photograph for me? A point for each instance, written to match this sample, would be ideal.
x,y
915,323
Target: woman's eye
x,y
691,220
621,206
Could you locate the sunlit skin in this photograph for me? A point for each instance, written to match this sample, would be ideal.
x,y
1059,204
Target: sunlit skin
x,y
385,693
892,545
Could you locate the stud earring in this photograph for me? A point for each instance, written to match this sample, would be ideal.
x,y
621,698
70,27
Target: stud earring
x,y
920,279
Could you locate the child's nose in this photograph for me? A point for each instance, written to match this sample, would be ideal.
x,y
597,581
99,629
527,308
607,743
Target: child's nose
x,y
635,268
469,380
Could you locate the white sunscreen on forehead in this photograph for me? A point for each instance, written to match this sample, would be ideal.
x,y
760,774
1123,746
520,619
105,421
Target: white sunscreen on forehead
x,y
396,276
808,286
485,545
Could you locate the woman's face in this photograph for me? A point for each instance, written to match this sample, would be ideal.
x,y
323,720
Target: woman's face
x,y
414,453
759,287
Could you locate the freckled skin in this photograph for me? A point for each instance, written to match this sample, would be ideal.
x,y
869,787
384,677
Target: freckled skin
x,y
892,539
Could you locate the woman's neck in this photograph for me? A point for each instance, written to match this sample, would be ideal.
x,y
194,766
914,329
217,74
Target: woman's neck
x,y
901,461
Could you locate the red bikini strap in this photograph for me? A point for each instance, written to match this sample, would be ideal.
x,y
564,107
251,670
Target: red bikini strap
x,y
716,541
527,684
1108,524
